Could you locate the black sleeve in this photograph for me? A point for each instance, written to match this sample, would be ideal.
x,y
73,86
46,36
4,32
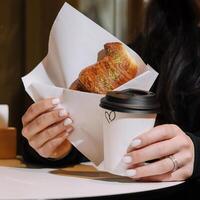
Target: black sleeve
x,y
30,156
196,141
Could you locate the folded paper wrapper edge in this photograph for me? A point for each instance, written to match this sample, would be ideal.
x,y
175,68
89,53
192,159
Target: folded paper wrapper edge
x,y
8,143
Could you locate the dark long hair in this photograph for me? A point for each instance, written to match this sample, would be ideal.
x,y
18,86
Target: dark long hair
x,y
172,47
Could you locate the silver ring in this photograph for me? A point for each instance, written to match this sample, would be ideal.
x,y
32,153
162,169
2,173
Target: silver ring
x,y
175,163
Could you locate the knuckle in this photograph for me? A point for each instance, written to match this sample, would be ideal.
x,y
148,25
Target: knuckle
x,y
45,105
161,151
43,152
54,116
186,174
188,157
174,128
57,129
39,120
50,146
169,130
136,155
163,129
165,133
184,142
168,126
144,137
25,132
31,109
33,144
51,117
48,133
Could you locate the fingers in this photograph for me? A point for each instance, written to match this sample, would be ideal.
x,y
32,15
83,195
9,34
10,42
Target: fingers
x,y
159,167
43,121
153,151
156,134
46,126
49,149
179,175
156,178
38,108
162,170
156,146
51,132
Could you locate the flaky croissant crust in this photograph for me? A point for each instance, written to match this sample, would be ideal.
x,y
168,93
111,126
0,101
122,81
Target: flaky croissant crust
x,y
114,68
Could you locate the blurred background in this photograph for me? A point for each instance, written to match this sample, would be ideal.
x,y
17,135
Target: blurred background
x,y
24,30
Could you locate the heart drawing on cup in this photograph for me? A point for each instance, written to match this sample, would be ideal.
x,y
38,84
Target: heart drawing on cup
x,y
110,116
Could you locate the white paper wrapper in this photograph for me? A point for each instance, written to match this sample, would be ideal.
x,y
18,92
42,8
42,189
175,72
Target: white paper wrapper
x,y
74,44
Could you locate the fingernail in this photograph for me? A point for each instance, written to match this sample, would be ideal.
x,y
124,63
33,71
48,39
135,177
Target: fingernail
x,y
69,130
63,113
55,101
130,172
127,159
67,122
136,143
58,107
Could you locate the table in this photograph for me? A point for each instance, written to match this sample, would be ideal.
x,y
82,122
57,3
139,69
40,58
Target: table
x,y
18,178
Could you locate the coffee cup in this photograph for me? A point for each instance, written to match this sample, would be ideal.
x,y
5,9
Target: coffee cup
x,y
127,114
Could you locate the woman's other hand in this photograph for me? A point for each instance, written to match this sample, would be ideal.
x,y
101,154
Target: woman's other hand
x,y
165,153
46,126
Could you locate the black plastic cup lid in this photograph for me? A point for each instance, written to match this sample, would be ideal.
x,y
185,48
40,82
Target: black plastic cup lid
x,y
131,101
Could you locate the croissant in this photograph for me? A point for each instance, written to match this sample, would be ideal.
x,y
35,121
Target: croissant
x,y
114,68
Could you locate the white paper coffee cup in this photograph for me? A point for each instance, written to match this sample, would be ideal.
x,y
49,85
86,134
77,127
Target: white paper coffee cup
x,y
126,115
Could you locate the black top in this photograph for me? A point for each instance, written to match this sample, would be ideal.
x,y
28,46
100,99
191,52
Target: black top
x,y
75,156
131,101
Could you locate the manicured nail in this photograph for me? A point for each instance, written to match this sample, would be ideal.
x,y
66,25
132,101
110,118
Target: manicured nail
x,y
69,130
130,172
63,113
127,159
67,122
56,101
59,107
136,143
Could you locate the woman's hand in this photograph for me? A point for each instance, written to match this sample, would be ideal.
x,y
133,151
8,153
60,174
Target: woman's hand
x,y
170,150
46,126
